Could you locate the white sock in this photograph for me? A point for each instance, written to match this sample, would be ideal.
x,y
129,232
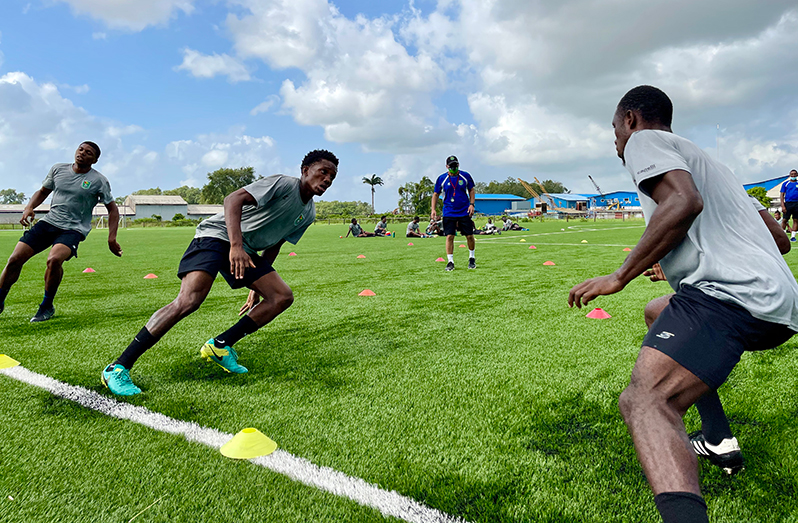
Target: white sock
x,y
471,253
793,234
451,257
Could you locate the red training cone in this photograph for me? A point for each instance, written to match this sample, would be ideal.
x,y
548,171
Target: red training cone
x,y
89,269
627,249
410,244
532,247
150,276
440,259
361,255
598,314
367,292
292,254
549,263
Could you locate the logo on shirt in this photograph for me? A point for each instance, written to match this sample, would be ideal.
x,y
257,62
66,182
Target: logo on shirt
x,y
299,219
649,168
665,335
86,184
460,182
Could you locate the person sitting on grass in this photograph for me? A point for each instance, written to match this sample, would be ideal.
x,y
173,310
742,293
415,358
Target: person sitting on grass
x,y
435,227
258,217
489,228
381,229
413,230
357,231
509,225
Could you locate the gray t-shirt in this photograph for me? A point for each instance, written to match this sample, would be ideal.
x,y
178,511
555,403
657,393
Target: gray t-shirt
x,y
279,215
74,197
728,252
355,228
412,227
381,226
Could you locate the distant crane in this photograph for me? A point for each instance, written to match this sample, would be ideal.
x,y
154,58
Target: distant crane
x,y
596,185
548,197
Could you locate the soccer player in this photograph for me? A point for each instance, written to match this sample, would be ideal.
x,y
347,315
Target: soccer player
x,y
458,192
789,203
734,292
259,217
381,229
76,189
357,231
414,230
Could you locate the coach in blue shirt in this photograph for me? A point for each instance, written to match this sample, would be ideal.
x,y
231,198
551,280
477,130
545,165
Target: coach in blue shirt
x,y
458,192
789,202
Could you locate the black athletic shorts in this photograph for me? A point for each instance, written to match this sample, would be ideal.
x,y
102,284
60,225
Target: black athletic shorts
x,y
792,210
43,235
212,255
464,224
708,336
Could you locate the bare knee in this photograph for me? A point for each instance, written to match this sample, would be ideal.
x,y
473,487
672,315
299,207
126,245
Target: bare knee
x,y
16,261
183,306
54,263
285,300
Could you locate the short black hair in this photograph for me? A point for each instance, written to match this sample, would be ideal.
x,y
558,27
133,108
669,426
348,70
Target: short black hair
x,y
93,146
793,171
653,104
383,217
354,220
416,218
317,155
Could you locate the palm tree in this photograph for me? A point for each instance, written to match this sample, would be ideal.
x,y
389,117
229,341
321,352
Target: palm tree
x,y
374,180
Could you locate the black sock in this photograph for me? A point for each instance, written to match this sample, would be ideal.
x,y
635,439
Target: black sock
x,y
3,294
143,341
230,337
714,424
681,507
47,302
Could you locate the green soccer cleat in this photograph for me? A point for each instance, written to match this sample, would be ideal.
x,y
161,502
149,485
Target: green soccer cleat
x,y
117,379
226,358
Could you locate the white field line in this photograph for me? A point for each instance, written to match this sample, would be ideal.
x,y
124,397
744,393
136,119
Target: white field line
x,y
389,503
574,229
565,244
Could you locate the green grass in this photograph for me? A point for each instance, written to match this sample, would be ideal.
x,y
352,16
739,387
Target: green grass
x,y
479,393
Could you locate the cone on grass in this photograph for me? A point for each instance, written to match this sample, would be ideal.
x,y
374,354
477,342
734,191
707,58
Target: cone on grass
x,y
89,269
150,276
292,253
410,244
361,255
367,292
440,259
522,240
598,314
627,249
549,263
584,241
532,247
247,444
462,246
6,362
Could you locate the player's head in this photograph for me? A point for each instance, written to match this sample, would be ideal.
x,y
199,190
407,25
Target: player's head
x,y
644,107
382,218
87,154
319,168
793,175
354,221
453,165
416,219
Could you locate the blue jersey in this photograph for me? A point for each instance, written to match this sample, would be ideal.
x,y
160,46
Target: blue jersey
x,y
790,191
454,191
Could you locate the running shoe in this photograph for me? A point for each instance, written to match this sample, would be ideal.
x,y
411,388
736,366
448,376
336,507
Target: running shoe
x,y
794,239
472,263
43,314
726,455
450,266
117,379
226,358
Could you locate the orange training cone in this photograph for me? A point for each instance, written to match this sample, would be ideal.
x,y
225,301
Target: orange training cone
x,y
598,314
150,276
89,269
410,244
532,247
361,255
367,292
462,246
549,263
440,259
292,254
627,249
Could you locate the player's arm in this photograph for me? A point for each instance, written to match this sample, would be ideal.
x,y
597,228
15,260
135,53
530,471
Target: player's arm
x,y
433,214
35,200
678,204
347,233
233,205
781,197
113,228
776,231
253,298
472,193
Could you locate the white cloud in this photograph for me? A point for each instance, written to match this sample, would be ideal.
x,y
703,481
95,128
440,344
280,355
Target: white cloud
x,y
264,106
205,153
208,66
133,15
99,36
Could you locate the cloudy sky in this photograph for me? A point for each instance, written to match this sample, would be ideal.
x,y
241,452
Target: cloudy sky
x,y
174,89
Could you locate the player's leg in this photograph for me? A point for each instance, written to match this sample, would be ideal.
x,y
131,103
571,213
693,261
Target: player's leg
x,y
22,253
659,393
53,275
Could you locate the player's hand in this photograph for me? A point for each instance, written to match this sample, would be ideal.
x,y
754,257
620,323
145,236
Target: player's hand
x,y
114,247
783,210
252,300
655,273
27,216
239,262
433,216
586,291
470,210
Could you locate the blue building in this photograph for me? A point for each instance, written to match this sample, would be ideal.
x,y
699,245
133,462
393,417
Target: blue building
x,y
623,199
564,201
496,204
767,184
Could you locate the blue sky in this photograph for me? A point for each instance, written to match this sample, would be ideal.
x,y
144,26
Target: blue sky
x,y
173,89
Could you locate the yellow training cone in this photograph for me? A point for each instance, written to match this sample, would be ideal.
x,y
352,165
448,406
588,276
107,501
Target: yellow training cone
x,y
6,362
584,241
247,444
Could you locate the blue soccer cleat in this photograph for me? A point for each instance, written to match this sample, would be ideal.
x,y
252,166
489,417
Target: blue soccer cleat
x,y
117,379
226,358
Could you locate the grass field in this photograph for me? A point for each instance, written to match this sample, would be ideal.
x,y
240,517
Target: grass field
x,y
478,393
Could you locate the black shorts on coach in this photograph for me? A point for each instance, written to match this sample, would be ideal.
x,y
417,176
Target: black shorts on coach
x,y
43,235
464,224
791,210
708,336
212,255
